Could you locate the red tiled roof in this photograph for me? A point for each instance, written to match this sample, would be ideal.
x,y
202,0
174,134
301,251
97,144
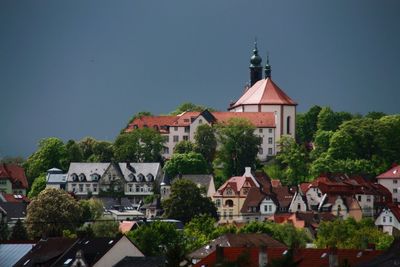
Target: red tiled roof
x,y
284,195
264,92
11,198
185,119
304,187
258,119
395,210
393,173
15,173
151,122
236,183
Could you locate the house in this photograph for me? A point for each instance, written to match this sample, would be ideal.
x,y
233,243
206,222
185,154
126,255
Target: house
x,y
263,103
284,195
132,180
55,178
391,180
389,220
153,209
234,241
306,257
12,179
230,197
80,252
12,211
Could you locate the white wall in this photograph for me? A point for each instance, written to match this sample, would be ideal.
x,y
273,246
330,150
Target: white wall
x,y
391,185
294,205
267,207
386,223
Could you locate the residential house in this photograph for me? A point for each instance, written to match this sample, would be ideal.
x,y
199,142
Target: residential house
x,y
12,211
12,179
234,241
391,180
55,178
284,195
99,251
298,203
389,220
132,180
230,197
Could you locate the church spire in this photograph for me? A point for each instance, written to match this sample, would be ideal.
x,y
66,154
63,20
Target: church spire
x,y
267,68
255,66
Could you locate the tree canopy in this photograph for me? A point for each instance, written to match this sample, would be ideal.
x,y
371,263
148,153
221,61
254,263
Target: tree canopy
x,y
206,142
184,147
140,145
190,163
188,106
194,203
51,212
238,146
39,184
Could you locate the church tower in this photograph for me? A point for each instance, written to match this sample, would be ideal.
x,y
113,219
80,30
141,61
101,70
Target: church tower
x,y
255,66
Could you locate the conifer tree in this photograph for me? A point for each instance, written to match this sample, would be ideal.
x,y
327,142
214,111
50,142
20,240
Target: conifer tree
x,y
19,231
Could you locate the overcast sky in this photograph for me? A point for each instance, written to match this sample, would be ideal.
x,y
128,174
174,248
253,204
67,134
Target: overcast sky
x,y
72,69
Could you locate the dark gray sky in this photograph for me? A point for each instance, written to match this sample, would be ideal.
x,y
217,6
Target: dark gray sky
x,y
72,69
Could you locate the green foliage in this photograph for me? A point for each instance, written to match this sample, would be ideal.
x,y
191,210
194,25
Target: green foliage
x,y
51,153
140,145
190,163
69,234
238,146
274,170
351,234
376,115
206,142
194,203
321,143
74,151
306,125
4,231
295,159
39,184
51,212
188,106
184,147
199,231
105,227
13,160
93,150
327,120
92,209
153,239
19,231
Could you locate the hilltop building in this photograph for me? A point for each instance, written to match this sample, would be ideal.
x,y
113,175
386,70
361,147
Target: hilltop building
x,y
263,103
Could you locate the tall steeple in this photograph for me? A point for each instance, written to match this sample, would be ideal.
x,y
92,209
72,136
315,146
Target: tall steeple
x,y
267,68
255,66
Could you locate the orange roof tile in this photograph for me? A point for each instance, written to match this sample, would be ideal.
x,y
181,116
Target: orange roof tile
x,y
393,173
15,173
264,92
258,119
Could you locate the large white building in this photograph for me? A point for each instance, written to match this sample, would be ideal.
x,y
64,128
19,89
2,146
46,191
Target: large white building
x,y
391,180
263,103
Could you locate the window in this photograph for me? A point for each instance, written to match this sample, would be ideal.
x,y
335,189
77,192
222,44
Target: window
x,y
230,214
2,182
269,140
384,219
260,151
359,198
298,206
229,191
270,130
130,188
229,203
260,130
390,219
185,137
165,150
368,198
395,200
94,188
186,120
175,128
224,215
288,125
270,208
137,188
200,121
395,181
166,138
187,129
176,138
81,188
266,208
394,190
245,191
218,203
270,151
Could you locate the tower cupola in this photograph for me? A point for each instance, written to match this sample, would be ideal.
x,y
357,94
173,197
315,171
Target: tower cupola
x,y
255,66
267,69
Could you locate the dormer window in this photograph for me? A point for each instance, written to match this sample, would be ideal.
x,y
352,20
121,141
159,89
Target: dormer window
x,y
82,177
132,177
74,177
229,192
140,177
149,177
95,177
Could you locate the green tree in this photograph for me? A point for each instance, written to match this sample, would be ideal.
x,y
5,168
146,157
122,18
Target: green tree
x,y
306,125
51,153
140,145
188,106
102,152
238,146
51,212
206,142
92,209
105,227
321,143
191,163
295,159
199,231
19,231
74,152
4,231
351,234
194,203
184,147
154,238
376,115
39,184
327,120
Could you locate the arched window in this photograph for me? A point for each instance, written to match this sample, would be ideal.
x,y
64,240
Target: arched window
x,y
82,177
140,177
229,203
149,177
74,177
288,125
132,177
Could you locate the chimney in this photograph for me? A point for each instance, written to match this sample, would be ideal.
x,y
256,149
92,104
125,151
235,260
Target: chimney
x,y
219,253
262,256
333,258
247,172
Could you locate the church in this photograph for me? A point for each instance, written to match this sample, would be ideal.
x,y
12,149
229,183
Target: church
x,y
263,103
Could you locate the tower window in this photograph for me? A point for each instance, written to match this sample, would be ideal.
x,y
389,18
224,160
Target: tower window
x,y
288,125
